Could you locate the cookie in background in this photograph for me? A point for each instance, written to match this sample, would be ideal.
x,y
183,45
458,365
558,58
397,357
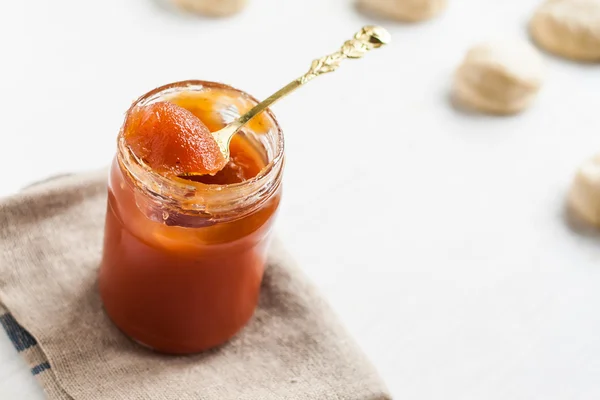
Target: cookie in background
x,y
584,196
568,28
499,77
212,8
403,10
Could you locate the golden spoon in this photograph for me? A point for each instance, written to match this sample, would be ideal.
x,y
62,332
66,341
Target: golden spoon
x,y
368,38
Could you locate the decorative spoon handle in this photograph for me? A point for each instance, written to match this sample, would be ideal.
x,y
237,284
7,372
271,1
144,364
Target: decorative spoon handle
x,y
368,38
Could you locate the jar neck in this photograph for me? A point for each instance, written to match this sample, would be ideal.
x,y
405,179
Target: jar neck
x,y
204,204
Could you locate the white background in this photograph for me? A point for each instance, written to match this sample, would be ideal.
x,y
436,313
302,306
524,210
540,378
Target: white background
x,y
438,236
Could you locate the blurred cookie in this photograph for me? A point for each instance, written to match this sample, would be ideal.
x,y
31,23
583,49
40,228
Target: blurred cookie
x,y
584,196
213,8
568,28
403,10
499,77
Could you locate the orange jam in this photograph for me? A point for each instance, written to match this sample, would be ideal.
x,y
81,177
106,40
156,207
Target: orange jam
x,y
183,259
244,163
172,140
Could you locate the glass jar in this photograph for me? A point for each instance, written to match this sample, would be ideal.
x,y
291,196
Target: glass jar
x,y
183,261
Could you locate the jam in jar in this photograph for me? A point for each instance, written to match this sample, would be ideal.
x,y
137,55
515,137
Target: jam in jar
x,y
183,258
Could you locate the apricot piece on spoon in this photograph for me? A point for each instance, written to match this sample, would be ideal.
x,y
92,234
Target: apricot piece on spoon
x,y
172,141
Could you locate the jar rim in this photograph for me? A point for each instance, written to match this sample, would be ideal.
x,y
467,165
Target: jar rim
x,y
193,185
212,201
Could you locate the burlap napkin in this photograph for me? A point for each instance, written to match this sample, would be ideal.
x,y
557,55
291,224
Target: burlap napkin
x,y
50,244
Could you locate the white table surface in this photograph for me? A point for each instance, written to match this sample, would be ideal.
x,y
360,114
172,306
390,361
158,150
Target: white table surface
x,y
438,236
